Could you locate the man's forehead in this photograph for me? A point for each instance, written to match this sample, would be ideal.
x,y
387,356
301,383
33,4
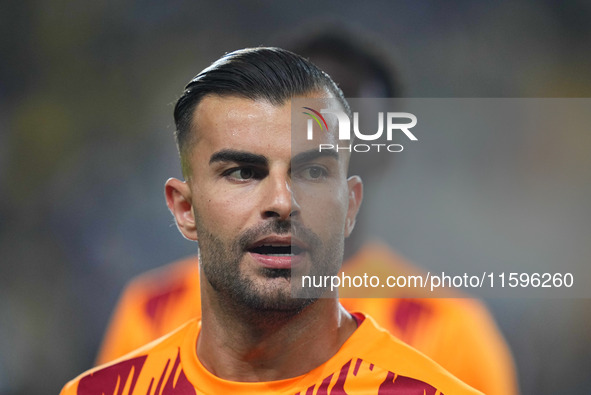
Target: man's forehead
x,y
237,120
240,107
215,108
257,125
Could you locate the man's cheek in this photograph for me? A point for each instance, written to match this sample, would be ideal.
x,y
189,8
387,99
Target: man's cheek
x,y
329,216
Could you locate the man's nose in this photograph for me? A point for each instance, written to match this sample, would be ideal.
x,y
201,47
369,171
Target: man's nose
x,y
279,199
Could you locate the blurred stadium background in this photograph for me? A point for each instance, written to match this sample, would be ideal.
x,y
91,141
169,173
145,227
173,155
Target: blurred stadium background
x,y
86,94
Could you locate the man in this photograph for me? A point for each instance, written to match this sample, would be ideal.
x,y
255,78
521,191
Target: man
x,y
260,206
457,333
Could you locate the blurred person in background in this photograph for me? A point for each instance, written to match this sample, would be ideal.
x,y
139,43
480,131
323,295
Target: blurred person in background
x,y
459,333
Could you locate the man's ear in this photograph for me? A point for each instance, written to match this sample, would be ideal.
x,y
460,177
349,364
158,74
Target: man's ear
x,y
355,197
178,200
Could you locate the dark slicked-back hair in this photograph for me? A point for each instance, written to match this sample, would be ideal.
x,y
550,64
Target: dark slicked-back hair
x,y
272,74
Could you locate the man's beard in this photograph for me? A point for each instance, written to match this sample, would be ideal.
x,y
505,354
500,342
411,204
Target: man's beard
x,y
266,289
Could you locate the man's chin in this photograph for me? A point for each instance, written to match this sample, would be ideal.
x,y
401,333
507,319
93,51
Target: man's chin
x,y
290,306
277,273
280,287
275,295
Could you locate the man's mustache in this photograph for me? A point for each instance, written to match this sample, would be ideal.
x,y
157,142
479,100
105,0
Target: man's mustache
x,y
279,227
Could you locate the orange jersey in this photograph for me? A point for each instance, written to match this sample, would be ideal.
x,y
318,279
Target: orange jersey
x,y
458,333
371,361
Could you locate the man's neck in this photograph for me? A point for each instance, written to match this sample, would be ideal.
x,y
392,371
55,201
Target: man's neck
x,y
269,346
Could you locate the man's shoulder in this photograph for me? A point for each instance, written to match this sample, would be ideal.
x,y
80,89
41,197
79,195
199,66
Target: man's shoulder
x,y
135,368
378,354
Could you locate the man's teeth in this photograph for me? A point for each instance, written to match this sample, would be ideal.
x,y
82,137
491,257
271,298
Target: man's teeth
x,y
279,250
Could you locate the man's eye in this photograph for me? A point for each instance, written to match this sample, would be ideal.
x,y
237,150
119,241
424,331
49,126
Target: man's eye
x,y
314,173
243,173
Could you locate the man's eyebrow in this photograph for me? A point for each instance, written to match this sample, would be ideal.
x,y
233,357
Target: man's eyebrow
x,y
229,155
313,154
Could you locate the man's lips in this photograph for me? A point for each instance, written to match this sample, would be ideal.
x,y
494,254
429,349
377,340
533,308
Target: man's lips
x,y
277,252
